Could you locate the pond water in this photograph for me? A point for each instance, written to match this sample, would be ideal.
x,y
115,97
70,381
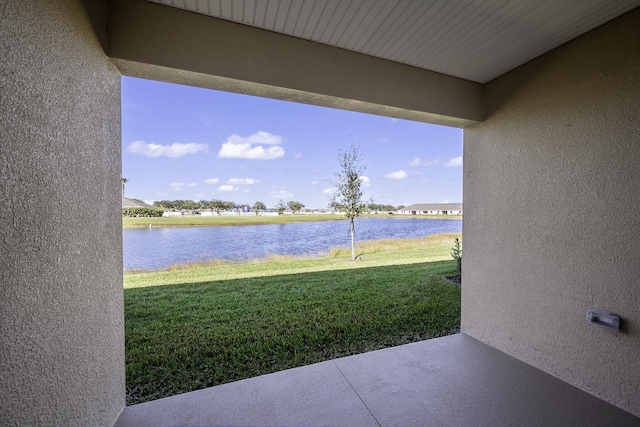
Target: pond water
x,y
161,247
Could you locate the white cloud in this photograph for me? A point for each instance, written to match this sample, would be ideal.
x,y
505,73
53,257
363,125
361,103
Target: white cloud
x,y
200,195
456,161
245,151
212,180
298,155
237,147
415,162
259,137
315,182
282,194
174,150
242,181
227,188
401,174
365,181
328,191
192,184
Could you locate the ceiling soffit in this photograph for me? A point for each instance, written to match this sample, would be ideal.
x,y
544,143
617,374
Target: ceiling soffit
x,y
472,40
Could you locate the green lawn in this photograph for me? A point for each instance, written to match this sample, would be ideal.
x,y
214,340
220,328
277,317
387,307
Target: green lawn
x,y
190,328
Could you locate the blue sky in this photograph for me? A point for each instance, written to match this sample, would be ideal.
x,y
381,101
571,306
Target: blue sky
x,y
181,142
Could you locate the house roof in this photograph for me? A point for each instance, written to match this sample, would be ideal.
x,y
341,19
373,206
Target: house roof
x,y
131,203
434,207
473,40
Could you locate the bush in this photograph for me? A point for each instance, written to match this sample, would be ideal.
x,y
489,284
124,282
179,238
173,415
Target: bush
x,y
456,253
142,212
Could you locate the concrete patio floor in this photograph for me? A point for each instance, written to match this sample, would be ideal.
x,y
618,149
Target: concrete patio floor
x,y
449,381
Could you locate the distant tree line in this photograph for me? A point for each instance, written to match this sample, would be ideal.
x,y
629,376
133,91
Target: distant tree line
x,y
218,206
215,205
374,207
177,204
369,208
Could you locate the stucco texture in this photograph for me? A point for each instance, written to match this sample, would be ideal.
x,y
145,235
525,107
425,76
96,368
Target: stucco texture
x,y
551,226
61,322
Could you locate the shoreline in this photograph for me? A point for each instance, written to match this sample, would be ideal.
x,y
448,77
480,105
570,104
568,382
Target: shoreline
x,y
226,221
367,247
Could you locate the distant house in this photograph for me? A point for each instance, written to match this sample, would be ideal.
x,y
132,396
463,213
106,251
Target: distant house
x,y
132,203
432,209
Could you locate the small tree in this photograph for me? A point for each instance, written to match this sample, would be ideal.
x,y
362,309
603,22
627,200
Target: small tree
x,y
456,253
259,206
348,195
295,206
280,207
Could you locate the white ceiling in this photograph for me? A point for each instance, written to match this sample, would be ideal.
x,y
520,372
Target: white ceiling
x,y
472,39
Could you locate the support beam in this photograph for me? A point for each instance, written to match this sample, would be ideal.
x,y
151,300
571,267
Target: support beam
x,y
158,42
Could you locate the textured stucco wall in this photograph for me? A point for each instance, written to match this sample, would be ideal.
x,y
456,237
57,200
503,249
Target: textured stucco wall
x,y
552,213
61,321
163,43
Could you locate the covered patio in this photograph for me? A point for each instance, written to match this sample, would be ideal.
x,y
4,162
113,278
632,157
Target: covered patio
x,y
548,95
446,382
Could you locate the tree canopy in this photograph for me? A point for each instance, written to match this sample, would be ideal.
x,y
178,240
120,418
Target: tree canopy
x,y
374,207
295,206
216,205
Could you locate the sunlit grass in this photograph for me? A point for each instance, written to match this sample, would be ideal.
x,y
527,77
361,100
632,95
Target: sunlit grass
x,y
385,245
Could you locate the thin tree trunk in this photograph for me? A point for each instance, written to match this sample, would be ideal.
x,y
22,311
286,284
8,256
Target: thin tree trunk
x,y
353,241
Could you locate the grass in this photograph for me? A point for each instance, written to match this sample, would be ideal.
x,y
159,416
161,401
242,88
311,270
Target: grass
x,y
190,328
213,221
433,244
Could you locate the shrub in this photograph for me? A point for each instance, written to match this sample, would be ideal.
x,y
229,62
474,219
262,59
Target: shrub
x,y
142,212
456,253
